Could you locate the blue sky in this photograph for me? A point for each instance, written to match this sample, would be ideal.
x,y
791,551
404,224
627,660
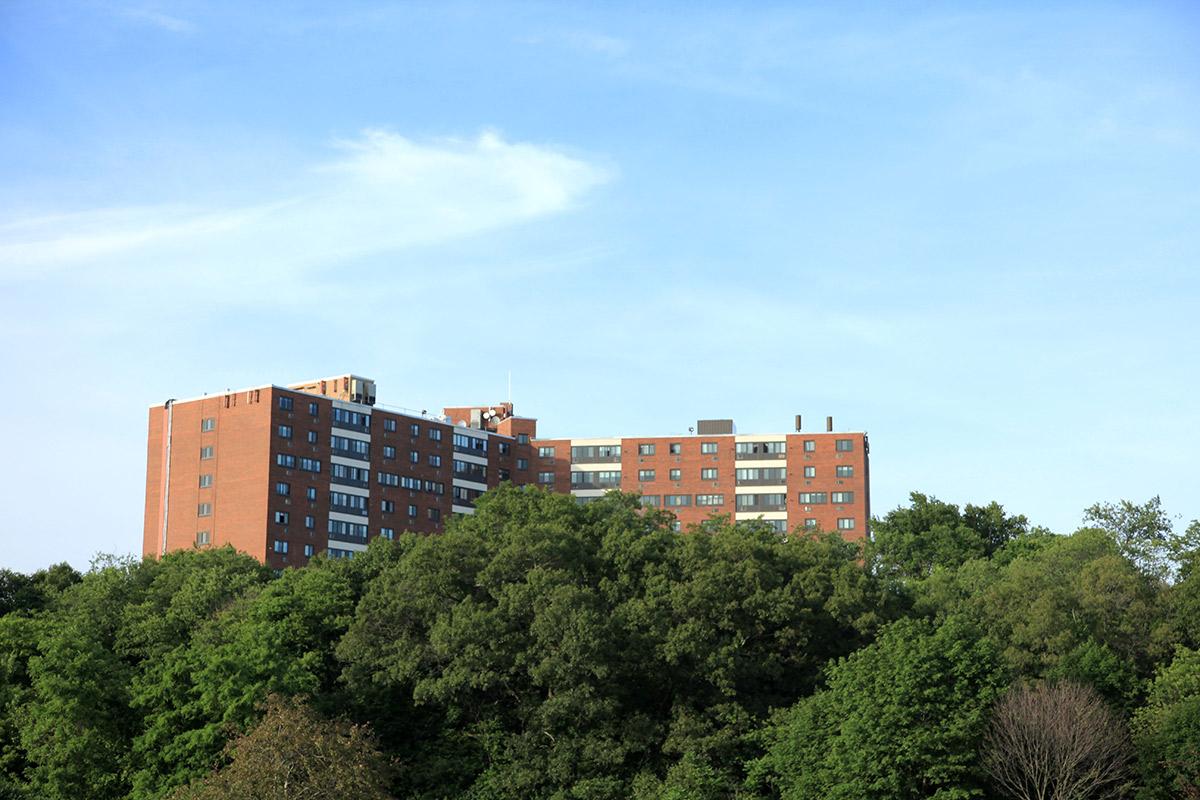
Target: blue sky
x,y
971,230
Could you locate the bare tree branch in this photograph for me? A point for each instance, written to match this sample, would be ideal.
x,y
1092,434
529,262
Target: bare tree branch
x,y
1057,742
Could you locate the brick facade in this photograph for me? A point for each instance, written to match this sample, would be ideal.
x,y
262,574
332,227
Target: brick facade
x,y
256,469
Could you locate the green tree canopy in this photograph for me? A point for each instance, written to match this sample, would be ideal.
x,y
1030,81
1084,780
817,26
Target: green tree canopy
x,y
911,542
292,754
901,719
568,648
1167,730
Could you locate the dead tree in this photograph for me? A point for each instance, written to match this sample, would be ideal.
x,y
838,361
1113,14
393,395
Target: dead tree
x,y
1057,742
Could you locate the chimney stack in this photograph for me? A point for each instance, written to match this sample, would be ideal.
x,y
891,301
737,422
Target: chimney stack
x,y
829,424
797,423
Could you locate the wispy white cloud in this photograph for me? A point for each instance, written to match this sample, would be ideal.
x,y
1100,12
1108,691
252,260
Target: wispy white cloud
x,y
159,20
382,192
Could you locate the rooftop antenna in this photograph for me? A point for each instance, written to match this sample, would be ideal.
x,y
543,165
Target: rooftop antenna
x,y
510,387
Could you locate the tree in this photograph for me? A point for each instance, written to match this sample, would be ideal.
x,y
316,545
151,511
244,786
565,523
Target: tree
x,y
34,592
540,648
1057,742
1143,532
294,755
275,638
901,719
1042,606
911,542
1167,729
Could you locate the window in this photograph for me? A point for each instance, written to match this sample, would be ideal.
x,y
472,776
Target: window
x,y
385,478
522,438
313,409
414,457
545,452
280,546
389,425
204,510
435,434
745,501
435,460
285,431
777,525
285,460
310,521
651,500
337,552
675,448
412,511
676,500
708,448
765,449
309,550
810,445
205,481
677,526
352,531
311,493
281,517
812,498
387,506
810,522
503,474
356,448
208,424
203,538
312,437
285,403
708,474
844,445
845,523
387,533
414,429
358,476
389,452
505,448
310,464
645,475
351,503
810,472
761,475
522,463
345,418
596,452
675,474
206,452
283,489
545,477
842,497
845,471
646,449
710,499
435,514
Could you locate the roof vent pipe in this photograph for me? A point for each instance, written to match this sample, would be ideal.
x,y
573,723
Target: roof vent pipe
x,y
829,424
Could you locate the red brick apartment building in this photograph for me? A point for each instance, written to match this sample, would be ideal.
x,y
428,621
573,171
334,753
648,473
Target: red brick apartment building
x,y
284,473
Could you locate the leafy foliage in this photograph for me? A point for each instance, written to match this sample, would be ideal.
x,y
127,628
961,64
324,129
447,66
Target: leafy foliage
x,y
544,649
1167,729
901,719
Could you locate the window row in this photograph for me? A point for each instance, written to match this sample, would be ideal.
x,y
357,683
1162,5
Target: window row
x,y
819,498
289,461
410,483
595,480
